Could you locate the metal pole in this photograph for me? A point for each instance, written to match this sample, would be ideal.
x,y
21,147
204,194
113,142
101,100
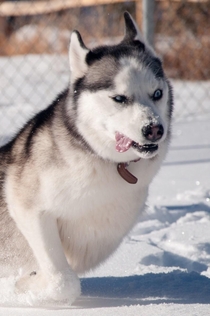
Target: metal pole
x,y
148,24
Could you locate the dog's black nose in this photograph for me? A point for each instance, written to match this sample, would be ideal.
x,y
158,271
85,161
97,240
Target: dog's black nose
x,y
153,132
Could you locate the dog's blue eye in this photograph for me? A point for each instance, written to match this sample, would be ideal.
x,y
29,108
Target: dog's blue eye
x,y
157,95
120,99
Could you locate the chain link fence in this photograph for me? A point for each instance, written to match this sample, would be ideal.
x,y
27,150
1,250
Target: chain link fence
x,y
34,40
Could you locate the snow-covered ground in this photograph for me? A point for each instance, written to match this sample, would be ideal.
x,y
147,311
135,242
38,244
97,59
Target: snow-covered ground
x,y
163,266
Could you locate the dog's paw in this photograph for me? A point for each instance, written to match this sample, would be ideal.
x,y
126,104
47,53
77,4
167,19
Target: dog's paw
x,y
54,289
64,288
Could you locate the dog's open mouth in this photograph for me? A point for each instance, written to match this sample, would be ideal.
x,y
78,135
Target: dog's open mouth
x,y
123,143
147,148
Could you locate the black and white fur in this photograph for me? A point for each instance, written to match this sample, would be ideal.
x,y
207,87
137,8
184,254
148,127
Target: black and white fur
x,y
63,206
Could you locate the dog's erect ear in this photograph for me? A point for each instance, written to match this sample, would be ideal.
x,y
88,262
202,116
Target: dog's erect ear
x,y
131,29
77,56
132,33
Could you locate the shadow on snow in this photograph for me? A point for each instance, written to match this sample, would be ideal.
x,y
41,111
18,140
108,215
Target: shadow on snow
x,y
177,287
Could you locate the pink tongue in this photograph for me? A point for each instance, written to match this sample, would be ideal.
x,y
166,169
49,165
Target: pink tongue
x,y
123,143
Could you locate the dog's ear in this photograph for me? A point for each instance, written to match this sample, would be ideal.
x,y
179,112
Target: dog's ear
x,y
131,29
132,33
77,56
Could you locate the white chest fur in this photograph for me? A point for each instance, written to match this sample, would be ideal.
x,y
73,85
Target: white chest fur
x,y
94,206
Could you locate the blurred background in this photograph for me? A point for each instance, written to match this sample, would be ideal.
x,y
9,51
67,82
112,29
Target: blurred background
x,y
34,40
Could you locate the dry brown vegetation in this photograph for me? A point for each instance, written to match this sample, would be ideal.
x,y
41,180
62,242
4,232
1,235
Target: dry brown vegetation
x,y
181,37
186,26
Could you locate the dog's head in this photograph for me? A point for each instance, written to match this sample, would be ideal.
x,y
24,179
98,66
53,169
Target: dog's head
x,y
122,100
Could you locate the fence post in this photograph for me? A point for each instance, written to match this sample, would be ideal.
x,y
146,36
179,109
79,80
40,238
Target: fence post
x,y
148,24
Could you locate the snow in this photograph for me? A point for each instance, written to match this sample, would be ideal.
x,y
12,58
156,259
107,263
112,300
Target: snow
x,y
163,266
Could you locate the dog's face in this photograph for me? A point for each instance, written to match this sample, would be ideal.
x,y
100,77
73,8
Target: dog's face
x,y
123,101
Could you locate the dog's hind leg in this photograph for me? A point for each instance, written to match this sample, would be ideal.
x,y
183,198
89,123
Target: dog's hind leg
x,y
55,280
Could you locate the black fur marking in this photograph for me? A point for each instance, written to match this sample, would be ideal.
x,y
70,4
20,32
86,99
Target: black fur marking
x,y
170,100
134,49
69,122
2,178
36,125
139,46
156,67
83,84
5,151
42,119
77,87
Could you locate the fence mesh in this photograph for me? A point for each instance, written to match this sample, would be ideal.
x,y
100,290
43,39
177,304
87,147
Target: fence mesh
x,y
34,40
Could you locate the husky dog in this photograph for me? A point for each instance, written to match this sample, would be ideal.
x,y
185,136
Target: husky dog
x,y
75,179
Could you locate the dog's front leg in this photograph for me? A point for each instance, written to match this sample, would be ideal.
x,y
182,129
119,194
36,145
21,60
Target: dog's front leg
x,y
55,279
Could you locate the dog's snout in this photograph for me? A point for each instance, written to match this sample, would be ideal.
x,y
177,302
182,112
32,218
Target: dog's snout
x,y
153,132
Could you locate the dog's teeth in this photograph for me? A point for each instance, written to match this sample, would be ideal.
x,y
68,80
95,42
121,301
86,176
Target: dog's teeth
x,y
136,145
